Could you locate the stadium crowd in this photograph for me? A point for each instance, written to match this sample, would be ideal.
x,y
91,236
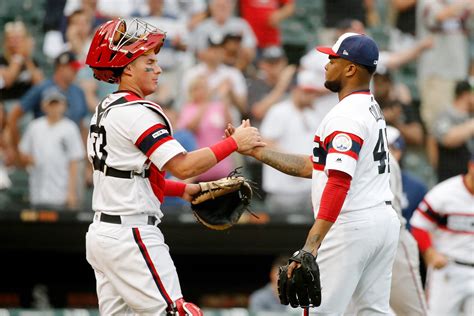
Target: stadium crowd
x,y
226,60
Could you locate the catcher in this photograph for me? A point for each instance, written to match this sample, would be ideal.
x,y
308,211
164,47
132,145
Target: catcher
x,y
131,146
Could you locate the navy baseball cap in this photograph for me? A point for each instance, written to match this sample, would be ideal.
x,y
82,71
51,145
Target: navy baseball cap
x,y
358,48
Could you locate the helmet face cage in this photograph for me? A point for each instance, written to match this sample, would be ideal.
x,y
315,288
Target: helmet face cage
x,y
117,43
126,34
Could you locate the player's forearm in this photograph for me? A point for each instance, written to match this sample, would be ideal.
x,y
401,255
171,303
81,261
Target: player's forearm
x,y
291,164
191,164
316,235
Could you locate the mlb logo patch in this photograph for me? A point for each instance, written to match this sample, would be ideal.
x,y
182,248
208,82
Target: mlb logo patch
x,y
342,142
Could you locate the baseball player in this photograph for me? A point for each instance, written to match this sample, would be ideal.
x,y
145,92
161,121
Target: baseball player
x,y
131,145
406,295
443,226
350,171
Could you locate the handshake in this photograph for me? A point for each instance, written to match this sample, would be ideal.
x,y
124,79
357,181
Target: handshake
x,y
247,137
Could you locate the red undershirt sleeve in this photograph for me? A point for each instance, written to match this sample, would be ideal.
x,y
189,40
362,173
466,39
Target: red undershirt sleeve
x,y
422,237
334,194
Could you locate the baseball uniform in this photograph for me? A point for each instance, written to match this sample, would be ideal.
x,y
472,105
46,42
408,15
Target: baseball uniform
x,y
357,254
447,211
407,296
131,261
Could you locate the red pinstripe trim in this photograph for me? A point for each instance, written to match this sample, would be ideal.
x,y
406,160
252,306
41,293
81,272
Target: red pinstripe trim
x,y
444,227
426,216
132,97
157,144
419,290
151,267
347,153
353,137
148,132
317,166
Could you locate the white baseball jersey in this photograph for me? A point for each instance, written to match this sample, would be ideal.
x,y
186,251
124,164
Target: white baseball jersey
x,y
447,211
346,141
130,133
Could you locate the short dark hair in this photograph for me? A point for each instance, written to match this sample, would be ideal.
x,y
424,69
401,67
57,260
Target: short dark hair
x,y
461,88
370,69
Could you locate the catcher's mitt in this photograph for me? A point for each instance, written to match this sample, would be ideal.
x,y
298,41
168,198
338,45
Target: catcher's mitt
x,y
220,203
304,287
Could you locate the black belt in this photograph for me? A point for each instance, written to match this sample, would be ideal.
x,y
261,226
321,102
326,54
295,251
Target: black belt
x,y
115,219
112,172
464,263
388,202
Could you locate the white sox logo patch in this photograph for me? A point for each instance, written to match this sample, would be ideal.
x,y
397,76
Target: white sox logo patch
x,y
342,142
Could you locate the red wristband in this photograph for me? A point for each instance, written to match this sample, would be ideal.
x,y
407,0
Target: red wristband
x,y
224,148
174,188
422,237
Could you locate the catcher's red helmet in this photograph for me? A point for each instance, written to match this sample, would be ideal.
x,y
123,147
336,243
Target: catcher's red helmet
x,y
115,45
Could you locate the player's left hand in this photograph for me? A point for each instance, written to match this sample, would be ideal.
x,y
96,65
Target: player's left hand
x,y
191,190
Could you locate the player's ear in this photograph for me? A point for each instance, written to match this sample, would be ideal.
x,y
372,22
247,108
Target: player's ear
x,y
350,70
127,70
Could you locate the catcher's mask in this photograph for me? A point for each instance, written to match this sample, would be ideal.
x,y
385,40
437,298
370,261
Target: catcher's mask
x,y
116,44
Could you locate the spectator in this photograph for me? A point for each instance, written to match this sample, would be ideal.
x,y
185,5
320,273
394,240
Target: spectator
x,y
234,56
266,298
5,182
413,188
76,39
187,139
264,17
222,22
336,11
51,149
191,12
453,134
19,71
66,67
272,83
173,55
396,103
437,73
212,68
403,32
286,194
443,228
207,119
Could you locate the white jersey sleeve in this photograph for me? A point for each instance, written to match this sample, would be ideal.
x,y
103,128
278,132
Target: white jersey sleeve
x,y
343,139
153,138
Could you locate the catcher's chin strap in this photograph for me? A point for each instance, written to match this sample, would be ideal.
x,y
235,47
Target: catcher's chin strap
x,y
183,308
